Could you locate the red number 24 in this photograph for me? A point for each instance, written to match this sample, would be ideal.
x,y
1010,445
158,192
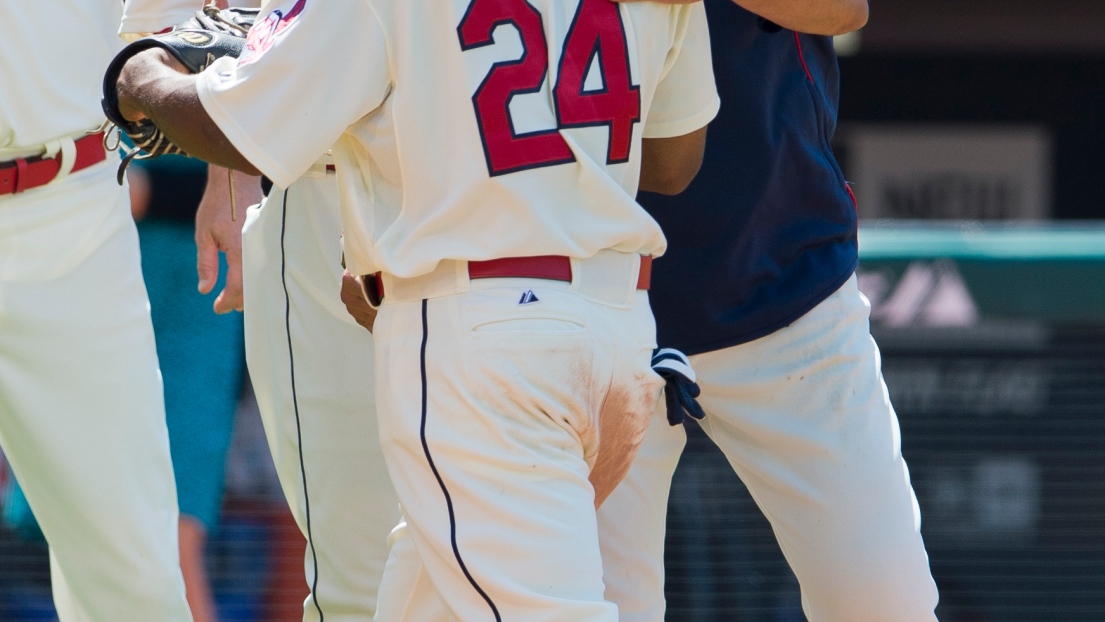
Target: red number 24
x,y
597,31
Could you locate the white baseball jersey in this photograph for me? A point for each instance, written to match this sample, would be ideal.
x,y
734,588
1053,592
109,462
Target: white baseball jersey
x,y
469,129
53,77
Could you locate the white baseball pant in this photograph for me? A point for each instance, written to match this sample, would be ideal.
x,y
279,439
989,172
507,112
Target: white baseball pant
x,y
492,403
82,418
312,371
804,418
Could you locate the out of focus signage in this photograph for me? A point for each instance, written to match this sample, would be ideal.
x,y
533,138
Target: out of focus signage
x,y
950,172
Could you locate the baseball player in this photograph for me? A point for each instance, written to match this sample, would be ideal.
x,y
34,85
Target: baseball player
x,y
758,286
82,418
308,363
487,155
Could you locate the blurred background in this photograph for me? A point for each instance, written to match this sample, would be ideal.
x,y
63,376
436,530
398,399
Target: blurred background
x,y
973,133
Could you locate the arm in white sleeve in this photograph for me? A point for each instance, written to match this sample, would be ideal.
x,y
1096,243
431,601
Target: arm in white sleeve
x,y
686,98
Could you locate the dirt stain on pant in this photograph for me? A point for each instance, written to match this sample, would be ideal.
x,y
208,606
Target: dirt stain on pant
x,y
623,419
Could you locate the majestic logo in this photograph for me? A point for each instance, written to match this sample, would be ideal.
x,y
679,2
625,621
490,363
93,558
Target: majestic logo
x,y
263,34
528,298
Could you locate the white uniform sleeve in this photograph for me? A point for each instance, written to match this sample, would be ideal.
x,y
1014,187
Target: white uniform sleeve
x,y
686,98
311,69
146,16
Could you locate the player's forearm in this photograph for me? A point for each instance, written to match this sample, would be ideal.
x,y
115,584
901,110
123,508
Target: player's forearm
x,y
816,17
149,86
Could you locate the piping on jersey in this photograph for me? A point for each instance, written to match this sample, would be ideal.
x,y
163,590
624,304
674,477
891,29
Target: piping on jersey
x,y
806,68
802,56
852,195
295,403
440,482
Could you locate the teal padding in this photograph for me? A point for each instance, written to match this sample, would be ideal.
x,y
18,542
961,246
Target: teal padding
x,y
202,359
17,514
978,242
172,162
1053,272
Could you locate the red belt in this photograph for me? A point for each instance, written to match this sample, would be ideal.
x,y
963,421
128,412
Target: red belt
x,y
550,267
26,173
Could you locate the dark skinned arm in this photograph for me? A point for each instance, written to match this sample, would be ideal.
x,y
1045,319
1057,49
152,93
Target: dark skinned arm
x,y
669,165
815,17
155,85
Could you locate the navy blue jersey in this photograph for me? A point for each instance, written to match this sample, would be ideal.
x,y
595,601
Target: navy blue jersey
x,y
768,228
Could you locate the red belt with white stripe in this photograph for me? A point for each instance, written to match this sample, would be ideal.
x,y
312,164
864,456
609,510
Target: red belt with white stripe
x,y
549,267
25,173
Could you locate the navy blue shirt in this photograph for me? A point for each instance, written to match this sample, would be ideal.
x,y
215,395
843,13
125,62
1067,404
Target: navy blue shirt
x,y
768,228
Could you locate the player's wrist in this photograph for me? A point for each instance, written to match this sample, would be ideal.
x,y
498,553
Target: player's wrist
x,y
140,80
133,85
128,101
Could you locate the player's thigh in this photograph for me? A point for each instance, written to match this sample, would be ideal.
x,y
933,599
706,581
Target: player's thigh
x,y
312,372
78,358
303,357
804,418
82,420
633,523
483,437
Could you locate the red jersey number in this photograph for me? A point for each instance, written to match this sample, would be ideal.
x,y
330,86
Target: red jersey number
x,y
597,36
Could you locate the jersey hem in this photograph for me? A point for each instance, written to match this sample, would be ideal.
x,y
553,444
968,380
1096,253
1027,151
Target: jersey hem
x,y
245,145
752,335
683,127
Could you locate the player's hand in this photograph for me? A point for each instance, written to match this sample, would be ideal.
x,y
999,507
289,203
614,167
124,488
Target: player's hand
x,y
216,232
352,294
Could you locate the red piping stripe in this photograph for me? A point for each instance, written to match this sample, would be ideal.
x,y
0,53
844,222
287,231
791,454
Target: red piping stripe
x,y
855,203
806,68
802,56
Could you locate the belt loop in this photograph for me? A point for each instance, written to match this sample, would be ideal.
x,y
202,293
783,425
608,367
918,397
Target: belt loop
x,y
644,277
608,277
68,149
20,175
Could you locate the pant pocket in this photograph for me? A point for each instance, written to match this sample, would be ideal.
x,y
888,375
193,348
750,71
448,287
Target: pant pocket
x,y
533,325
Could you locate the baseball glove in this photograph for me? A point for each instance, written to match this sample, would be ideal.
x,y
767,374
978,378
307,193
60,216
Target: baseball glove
x,y
211,34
